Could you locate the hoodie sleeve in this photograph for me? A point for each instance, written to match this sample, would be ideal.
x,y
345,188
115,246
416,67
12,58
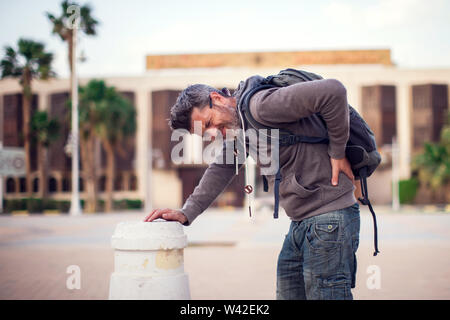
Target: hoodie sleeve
x,y
289,104
216,178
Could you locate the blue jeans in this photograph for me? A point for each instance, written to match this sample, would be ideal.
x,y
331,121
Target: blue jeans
x,y
318,259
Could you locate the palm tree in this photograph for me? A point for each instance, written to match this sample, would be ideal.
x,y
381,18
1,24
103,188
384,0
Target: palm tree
x,y
30,61
117,122
61,26
44,131
90,96
87,25
433,164
107,116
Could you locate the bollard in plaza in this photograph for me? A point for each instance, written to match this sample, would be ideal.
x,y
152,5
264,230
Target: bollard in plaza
x,y
148,262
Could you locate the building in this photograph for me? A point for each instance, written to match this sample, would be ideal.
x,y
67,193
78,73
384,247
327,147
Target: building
x,y
406,103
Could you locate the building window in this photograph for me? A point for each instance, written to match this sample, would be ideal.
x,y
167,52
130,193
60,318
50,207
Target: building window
x,y
10,185
35,184
430,105
118,183
102,184
379,110
52,185
133,183
81,184
22,184
66,184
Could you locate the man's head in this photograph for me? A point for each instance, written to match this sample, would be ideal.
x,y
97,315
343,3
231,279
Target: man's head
x,y
216,110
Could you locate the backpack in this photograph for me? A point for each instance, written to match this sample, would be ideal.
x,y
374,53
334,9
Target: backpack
x,y
361,149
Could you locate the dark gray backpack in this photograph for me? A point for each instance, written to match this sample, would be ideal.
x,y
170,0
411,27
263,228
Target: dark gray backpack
x,y
361,150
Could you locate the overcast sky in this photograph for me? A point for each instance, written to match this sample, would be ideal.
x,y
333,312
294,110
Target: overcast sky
x,y
417,31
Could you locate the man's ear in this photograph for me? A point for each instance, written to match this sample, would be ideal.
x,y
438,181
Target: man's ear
x,y
217,98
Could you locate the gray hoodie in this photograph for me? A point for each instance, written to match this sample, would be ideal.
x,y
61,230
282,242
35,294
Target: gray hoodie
x,y
305,189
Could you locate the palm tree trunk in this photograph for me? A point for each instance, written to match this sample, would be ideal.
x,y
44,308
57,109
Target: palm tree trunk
x,y
43,168
89,174
84,164
26,109
110,169
95,175
91,183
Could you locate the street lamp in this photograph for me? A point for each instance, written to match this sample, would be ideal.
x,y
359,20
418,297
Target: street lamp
x,y
75,208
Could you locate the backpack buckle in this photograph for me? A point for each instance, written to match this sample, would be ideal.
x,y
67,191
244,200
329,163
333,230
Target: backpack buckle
x,y
363,201
288,140
269,79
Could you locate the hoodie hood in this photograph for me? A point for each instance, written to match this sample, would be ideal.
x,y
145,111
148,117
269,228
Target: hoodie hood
x,y
245,86
242,89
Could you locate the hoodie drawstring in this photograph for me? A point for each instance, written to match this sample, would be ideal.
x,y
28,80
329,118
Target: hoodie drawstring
x,y
248,188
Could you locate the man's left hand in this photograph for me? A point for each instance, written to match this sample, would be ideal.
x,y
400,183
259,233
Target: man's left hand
x,y
338,165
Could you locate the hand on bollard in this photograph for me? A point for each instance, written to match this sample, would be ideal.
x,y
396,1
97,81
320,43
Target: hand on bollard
x,y
166,214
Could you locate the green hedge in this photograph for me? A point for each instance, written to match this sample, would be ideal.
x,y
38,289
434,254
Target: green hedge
x,y
407,190
37,205
128,204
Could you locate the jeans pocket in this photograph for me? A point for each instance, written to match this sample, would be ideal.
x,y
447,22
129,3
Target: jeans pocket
x,y
324,235
336,287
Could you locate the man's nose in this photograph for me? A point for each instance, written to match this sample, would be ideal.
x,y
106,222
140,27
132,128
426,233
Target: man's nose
x,y
212,133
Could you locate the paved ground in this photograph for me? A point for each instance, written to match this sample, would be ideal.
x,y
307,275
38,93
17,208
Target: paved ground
x,y
229,255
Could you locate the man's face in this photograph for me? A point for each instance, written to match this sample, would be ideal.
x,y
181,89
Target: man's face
x,y
222,117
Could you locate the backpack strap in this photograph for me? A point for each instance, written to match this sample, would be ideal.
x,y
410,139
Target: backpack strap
x,y
362,166
265,184
365,201
276,191
290,139
286,138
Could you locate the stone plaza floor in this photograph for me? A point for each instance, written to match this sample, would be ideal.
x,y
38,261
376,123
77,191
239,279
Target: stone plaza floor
x,y
229,256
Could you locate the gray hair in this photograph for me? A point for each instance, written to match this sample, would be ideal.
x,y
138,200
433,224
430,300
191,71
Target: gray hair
x,y
196,95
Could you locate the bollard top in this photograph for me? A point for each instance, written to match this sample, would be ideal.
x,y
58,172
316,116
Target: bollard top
x,y
156,235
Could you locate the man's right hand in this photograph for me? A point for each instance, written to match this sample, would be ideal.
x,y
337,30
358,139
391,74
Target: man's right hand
x,y
166,214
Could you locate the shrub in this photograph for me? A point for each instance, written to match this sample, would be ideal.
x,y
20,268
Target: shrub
x,y
63,206
34,205
134,203
37,205
10,205
407,190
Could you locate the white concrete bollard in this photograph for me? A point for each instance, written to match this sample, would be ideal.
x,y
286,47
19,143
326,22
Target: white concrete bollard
x,y
148,262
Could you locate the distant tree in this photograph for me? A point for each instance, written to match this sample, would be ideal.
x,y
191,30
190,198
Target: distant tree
x,y
90,96
117,123
62,27
87,24
105,115
29,61
433,164
44,131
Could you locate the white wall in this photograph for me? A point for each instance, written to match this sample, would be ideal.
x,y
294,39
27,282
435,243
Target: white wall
x,y
352,76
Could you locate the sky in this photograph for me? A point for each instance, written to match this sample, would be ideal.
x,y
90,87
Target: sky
x,y
416,31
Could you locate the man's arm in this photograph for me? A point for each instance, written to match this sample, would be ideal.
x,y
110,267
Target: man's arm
x,y
215,179
289,104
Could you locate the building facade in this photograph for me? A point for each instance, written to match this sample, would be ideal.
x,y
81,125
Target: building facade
x,y
409,104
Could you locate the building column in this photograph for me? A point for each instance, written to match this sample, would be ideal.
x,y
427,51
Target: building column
x,y
44,102
143,123
126,181
404,125
354,96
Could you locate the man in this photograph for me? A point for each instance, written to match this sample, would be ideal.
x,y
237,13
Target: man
x,y
317,260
